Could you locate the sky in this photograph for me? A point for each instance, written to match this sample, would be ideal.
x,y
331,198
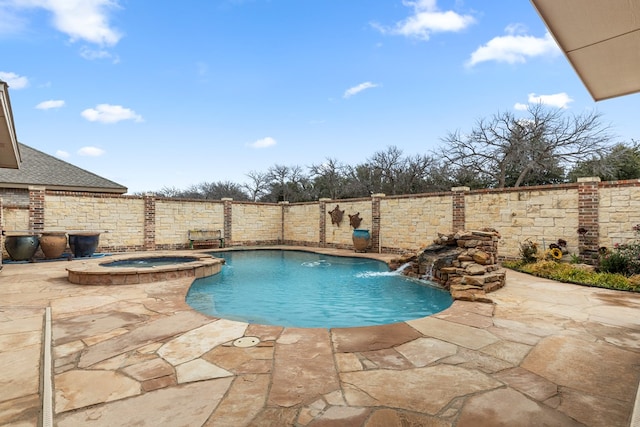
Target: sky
x,y
169,94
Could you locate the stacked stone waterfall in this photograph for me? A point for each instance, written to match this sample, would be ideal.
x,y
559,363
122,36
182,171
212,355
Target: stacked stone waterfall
x,y
464,262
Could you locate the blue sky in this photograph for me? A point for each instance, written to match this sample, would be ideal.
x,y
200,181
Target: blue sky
x,y
170,94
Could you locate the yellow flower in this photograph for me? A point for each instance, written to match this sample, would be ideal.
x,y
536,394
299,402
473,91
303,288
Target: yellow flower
x,y
556,253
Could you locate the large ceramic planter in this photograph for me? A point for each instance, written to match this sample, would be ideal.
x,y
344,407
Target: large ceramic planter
x,y
53,244
21,248
83,244
361,239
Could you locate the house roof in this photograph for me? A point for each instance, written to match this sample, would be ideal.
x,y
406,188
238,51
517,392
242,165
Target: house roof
x,y
9,152
601,39
40,169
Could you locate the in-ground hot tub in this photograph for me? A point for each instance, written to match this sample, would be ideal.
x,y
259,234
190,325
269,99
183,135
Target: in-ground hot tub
x,y
136,268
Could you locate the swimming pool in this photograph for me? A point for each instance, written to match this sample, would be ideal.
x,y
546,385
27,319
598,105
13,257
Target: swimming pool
x,y
304,289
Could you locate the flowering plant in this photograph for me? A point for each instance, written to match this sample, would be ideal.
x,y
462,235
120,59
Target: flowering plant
x,y
623,258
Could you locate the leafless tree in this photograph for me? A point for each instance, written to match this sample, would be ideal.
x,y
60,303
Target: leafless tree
x,y
258,185
329,178
543,139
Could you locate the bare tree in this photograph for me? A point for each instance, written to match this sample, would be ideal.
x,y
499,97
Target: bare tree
x,y
258,185
329,178
387,167
221,189
285,183
541,141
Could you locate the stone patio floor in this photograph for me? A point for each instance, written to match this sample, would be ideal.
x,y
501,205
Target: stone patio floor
x,y
545,353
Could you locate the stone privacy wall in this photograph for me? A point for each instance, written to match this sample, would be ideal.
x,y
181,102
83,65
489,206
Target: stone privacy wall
x,y
255,224
174,218
119,219
301,224
540,214
619,208
604,213
339,236
410,222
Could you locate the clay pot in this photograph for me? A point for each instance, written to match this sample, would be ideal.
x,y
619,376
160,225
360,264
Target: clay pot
x,y
21,248
361,238
53,244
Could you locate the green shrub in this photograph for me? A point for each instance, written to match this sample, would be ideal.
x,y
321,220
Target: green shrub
x,y
613,262
623,259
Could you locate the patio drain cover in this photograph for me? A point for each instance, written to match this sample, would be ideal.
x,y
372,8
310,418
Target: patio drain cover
x,y
246,341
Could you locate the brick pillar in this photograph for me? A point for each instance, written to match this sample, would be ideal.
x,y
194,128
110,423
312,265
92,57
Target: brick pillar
x,y
36,209
322,205
228,220
376,241
459,218
149,222
588,229
284,205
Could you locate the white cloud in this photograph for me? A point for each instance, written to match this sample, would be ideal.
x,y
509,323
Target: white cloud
x,y
86,20
427,19
514,48
94,54
62,154
47,105
13,80
263,143
558,100
106,113
357,89
91,151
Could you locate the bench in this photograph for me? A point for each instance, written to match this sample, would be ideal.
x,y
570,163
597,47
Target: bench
x,y
205,238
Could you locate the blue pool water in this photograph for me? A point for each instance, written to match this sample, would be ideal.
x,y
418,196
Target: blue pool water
x,y
303,289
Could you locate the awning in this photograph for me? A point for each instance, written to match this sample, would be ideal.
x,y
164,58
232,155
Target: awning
x,y
601,39
9,152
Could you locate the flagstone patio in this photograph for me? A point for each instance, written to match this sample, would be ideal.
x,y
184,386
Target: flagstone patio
x,y
545,353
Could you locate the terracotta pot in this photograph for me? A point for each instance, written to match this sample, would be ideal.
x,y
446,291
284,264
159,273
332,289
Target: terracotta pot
x,y
83,244
21,248
53,244
361,239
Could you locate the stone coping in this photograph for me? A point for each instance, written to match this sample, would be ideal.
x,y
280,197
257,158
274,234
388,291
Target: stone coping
x,y
94,272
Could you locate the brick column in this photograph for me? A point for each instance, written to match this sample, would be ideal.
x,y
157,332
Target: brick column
x,y
149,222
376,241
322,205
228,220
36,209
283,209
459,218
588,227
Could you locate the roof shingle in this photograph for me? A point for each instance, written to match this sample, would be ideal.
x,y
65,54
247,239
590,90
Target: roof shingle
x,y
38,168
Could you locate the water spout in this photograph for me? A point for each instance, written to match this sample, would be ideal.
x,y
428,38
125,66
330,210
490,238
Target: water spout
x,y
403,267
